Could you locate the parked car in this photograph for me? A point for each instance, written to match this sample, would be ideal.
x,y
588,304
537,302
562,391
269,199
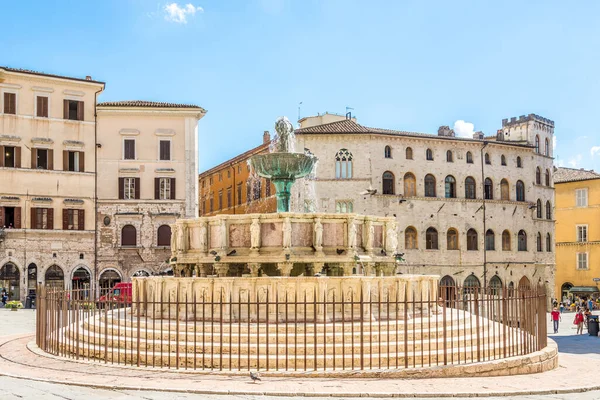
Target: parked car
x,y
119,294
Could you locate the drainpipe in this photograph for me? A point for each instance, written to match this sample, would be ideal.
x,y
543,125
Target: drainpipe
x,y
485,143
96,191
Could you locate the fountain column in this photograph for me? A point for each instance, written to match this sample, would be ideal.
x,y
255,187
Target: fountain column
x,y
254,268
285,268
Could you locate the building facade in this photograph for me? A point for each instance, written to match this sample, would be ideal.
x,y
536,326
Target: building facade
x,y
577,236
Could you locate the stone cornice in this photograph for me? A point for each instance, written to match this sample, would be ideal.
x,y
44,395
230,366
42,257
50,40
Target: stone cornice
x,y
147,111
582,244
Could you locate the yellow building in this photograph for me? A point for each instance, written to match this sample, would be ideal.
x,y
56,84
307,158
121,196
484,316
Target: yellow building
x,y
577,232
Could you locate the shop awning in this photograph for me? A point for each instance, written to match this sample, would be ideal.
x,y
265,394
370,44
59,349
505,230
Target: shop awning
x,y
584,289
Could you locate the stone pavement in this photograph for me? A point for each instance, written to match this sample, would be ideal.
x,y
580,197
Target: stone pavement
x,y
94,380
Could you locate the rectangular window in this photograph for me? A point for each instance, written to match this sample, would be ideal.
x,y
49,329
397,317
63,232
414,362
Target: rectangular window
x,y
129,188
582,233
41,106
42,218
220,176
42,159
211,202
73,110
165,150
164,189
267,187
129,149
239,194
220,200
257,190
10,103
582,261
74,161
73,219
9,157
229,197
581,196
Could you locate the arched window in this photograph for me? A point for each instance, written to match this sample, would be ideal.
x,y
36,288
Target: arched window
x,y
520,191
164,235
470,188
547,177
539,208
490,240
472,239
522,240
546,147
410,185
388,183
429,185
429,155
410,238
469,157
496,285
548,243
450,187
539,242
502,160
128,236
409,155
504,190
343,164
487,159
387,152
519,163
471,284
524,284
537,144
449,157
431,239
489,189
506,241
452,239
548,210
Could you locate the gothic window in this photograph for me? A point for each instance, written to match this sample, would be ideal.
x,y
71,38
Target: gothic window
x,y
488,189
539,242
387,152
449,157
469,157
450,183
410,238
537,144
409,155
490,240
128,236
548,210
388,183
496,285
502,160
164,235
522,240
487,159
539,208
538,176
471,283
344,206
548,243
410,185
470,188
506,241
472,239
520,191
547,177
431,239
519,163
547,147
343,164
429,155
429,185
504,190
452,239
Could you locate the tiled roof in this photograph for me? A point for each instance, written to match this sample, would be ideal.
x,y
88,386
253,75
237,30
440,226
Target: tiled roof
x,y
30,72
563,175
345,126
143,103
235,160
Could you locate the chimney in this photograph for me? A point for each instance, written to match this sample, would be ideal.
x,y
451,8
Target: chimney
x,y
88,78
478,135
266,137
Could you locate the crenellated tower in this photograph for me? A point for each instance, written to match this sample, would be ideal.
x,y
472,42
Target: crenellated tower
x,y
531,129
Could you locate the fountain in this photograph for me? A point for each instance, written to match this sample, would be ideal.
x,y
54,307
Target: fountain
x,y
283,166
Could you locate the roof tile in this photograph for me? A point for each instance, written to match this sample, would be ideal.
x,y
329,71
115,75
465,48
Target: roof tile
x,y
564,175
149,104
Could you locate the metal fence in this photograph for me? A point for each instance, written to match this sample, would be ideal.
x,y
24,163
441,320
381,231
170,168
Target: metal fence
x,y
354,332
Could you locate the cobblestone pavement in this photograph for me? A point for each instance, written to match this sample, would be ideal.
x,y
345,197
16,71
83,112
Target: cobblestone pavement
x,y
571,346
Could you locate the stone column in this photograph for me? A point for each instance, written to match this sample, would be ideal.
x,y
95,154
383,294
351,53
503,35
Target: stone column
x,y
254,268
317,267
347,268
351,235
369,268
388,269
221,269
370,234
285,268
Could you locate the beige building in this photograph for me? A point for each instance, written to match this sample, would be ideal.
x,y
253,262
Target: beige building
x,y
47,164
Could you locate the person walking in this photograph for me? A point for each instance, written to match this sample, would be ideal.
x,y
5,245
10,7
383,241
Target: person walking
x,y
556,317
590,304
578,321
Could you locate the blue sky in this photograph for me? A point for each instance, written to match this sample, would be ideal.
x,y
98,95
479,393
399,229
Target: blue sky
x,y
408,65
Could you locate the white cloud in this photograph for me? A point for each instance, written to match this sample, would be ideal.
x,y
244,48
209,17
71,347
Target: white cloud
x,y
176,13
574,162
464,129
595,150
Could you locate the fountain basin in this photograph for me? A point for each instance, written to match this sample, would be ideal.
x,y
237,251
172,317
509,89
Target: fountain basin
x,y
288,166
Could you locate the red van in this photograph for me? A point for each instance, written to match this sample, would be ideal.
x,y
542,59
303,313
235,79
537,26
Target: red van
x,y
120,293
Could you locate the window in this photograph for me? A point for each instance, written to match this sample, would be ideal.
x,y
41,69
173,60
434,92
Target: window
x,y
537,144
487,159
539,242
538,176
42,158
489,189
471,284
239,169
470,188
164,150
248,192
166,189
449,157
450,186
10,157
429,185
344,206
387,152
503,160
469,157
73,110
490,240
409,153
267,187
128,149
220,200
229,199
211,202
522,240
228,174
128,236
410,185
582,260
504,190
472,239
581,197
41,106
547,177
429,155
257,189
220,177
520,191
496,285
239,194
42,218
431,239
410,238
210,180
164,236
506,241
203,184
548,210
73,161
388,183
343,164
10,103
452,239
548,243
546,147
582,233
539,208
519,163
73,220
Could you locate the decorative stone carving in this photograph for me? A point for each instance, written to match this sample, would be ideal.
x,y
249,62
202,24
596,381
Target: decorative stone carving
x,y
255,234
285,268
254,268
175,230
287,233
391,238
318,241
223,233
369,237
203,240
351,234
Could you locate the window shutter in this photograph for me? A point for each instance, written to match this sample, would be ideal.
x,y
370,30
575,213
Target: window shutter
x,y
17,157
66,109
137,188
121,188
81,216
17,217
1,158
50,218
39,104
81,161
2,217
50,159
65,219
33,221
33,158
10,103
65,160
172,188
80,110
156,188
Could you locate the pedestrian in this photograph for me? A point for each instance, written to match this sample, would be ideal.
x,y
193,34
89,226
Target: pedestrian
x,y
556,317
578,321
591,304
562,308
4,298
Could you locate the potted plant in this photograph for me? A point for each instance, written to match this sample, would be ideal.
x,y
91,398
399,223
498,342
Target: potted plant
x,y
14,305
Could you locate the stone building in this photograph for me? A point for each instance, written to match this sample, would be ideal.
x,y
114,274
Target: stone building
x,y
147,178
47,164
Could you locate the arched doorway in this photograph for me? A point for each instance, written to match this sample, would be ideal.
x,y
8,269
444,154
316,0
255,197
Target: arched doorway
x,y
448,289
524,284
564,291
9,281
495,285
31,278
81,281
55,277
108,278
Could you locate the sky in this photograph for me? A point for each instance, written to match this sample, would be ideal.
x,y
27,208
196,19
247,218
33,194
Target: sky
x,y
399,64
